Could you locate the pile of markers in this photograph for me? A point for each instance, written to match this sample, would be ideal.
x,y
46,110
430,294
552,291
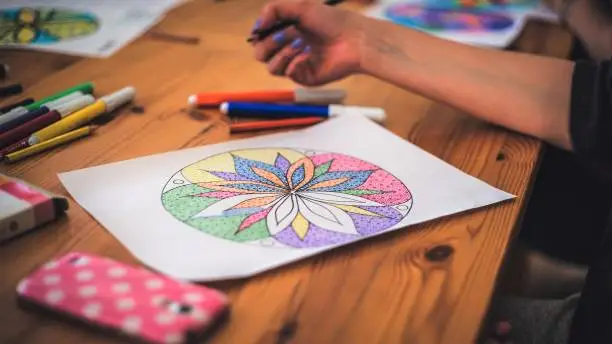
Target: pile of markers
x,y
283,108
29,127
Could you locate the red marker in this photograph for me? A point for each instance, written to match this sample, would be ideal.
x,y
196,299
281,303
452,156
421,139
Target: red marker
x,y
300,95
274,124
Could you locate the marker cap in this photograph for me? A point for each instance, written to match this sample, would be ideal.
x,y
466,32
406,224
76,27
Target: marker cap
x,y
375,114
75,104
52,105
115,100
319,96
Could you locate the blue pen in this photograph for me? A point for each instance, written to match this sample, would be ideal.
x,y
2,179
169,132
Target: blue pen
x,y
242,109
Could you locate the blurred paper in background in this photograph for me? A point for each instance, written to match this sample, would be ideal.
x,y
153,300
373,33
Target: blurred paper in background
x,y
91,28
490,23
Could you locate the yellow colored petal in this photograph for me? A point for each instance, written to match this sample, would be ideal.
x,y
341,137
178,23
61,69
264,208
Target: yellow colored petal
x,y
356,210
300,226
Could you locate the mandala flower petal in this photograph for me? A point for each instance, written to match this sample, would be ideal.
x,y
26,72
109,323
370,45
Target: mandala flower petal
x,y
300,225
219,208
244,167
218,194
282,163
228,176
259,202
323,168
328,183
271,177
357,210
326,216
282,214
300,173
354,180
242,187
338,198
251,219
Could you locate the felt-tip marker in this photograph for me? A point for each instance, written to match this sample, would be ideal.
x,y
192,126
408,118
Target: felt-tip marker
x,y
239,109
298,95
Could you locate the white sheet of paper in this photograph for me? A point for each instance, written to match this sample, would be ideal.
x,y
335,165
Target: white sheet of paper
x,y
90,28
287,200
492,39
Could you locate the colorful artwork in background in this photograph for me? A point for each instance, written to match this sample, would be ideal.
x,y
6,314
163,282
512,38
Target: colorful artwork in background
x,y
44,25
491,5
278,197
89,28
439,19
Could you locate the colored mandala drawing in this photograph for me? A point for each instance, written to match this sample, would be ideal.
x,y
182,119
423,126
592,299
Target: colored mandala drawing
x,y
441,19
484,4
44,25
283,197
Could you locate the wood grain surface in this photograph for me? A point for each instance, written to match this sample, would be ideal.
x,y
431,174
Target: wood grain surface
x,y
430,283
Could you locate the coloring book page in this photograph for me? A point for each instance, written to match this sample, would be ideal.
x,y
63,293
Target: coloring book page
x,y
86,27
487,23
238,208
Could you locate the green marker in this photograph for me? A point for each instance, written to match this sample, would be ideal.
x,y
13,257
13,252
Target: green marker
x,y
85,88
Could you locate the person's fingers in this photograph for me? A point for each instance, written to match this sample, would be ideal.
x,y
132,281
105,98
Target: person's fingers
x,y
279,63
266,49
284,10
301,69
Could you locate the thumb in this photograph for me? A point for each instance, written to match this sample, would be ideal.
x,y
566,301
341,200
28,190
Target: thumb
x,y
294,11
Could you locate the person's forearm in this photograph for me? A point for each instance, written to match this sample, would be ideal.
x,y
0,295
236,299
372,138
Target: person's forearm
x,y
525,93
589,23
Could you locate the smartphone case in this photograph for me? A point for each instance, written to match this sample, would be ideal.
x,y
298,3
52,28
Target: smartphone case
x,y
132,300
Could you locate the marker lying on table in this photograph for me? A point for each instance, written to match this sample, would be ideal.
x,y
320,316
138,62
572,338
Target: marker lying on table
x,y
104,104
25,129
299,95
23,110
84,88
10,90
66,108
10,107
274,124
236,109
54,142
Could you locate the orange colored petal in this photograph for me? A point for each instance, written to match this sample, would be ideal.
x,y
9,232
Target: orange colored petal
x,y
256,202
328,183
269,176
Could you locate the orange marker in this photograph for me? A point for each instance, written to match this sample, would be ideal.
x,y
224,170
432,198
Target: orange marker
x,y
274,124
299,95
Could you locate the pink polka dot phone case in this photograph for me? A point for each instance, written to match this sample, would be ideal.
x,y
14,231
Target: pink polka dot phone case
x,y
135,301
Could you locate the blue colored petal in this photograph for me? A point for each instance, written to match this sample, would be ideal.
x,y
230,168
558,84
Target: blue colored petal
x,y
255,187
298,176
354,180
244,167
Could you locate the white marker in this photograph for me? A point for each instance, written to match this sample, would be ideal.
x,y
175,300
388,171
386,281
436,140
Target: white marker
x,y
52,105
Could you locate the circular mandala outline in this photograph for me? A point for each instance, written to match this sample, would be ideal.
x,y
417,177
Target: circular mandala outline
x,y
404,212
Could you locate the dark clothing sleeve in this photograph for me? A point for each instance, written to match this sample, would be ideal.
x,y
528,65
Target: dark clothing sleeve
x,y
591,134
591,115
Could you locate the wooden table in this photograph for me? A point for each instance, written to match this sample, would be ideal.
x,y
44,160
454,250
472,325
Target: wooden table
x,y
429,284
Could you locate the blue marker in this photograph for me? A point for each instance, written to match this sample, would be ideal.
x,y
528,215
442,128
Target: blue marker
x,y
240,109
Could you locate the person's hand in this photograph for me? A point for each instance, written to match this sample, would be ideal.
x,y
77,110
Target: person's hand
x,y
323,47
